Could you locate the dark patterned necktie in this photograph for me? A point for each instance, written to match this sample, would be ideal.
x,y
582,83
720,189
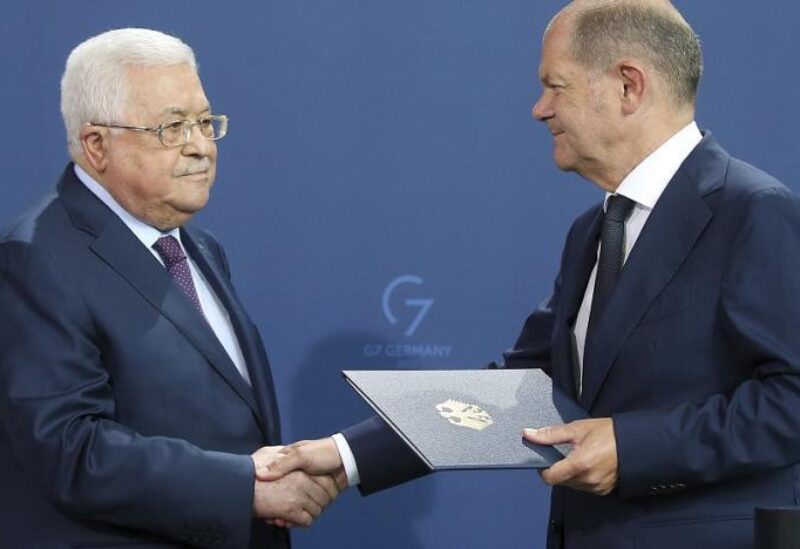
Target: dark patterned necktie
x,y
177,265
609,265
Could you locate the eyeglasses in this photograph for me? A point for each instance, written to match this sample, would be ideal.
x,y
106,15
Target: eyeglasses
x,y
179,132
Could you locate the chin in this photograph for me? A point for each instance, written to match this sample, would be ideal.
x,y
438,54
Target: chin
x,y
563,157
191,204
193,207
565,164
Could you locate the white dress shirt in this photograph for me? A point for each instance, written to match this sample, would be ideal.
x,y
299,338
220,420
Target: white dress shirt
x,y
215,313
644,185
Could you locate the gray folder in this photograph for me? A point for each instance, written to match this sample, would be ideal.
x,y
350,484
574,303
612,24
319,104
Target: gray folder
x,y
469,419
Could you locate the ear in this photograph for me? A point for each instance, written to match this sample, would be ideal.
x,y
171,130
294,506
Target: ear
x,y
95,142
635,85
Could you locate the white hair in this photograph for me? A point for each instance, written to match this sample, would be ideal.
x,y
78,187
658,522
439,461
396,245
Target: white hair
x,y
94,86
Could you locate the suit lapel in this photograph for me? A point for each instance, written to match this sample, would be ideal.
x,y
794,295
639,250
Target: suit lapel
x,y
667,238
260,375
116,245
573,289
575,285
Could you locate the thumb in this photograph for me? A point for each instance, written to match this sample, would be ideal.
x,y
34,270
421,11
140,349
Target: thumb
x,y
547,436
278,468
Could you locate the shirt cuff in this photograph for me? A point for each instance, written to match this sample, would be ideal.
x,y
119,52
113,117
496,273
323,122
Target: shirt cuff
x,y
348,460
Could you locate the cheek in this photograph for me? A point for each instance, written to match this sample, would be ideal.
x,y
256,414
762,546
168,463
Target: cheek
x,y
154,177
569,114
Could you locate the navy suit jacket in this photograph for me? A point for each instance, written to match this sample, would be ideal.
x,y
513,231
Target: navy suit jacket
x,y
696,358
123,418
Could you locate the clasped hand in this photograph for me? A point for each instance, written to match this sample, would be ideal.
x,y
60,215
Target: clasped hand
x,y
295,483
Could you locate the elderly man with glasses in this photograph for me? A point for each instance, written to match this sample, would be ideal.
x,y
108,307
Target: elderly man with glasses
x,y
136,398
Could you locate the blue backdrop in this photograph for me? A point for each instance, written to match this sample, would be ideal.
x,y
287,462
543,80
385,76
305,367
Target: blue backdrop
x,y
385,199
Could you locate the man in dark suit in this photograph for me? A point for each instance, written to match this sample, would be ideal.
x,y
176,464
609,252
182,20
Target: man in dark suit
x,y
136,397
688,357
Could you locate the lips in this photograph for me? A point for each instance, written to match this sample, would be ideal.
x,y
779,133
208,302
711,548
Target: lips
x,y
196,168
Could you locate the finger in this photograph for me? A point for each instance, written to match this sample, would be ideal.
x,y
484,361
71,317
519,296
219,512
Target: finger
x,y
294,446
310,505
553,434
342,482
328,484
281,466
561,472
316,493
263,474
266,454
280,523
263,456
267,473
301,518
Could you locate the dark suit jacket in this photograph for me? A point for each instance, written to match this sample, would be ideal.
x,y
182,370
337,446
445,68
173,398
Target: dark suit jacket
x,y
696,358
123,418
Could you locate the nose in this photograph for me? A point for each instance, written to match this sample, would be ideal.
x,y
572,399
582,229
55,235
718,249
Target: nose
x,y
197,144
542,110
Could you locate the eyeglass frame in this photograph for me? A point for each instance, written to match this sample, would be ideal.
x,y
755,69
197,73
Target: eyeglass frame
x,y
185,124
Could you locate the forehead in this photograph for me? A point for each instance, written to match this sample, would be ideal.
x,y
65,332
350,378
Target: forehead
x,y
161,90
557,60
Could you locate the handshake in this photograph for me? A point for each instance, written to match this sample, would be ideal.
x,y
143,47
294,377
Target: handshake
x,y
295,483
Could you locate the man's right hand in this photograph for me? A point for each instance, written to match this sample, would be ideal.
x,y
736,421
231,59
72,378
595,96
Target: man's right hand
x,y
315,457
295,499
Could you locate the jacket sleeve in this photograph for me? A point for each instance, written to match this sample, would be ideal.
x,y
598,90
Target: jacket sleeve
x,y
756,426
57,407
382,458
532,348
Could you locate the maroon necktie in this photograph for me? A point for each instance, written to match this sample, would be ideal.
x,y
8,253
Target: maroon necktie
x,y
177,265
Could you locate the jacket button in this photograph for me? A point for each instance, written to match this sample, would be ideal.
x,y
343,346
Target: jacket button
x,y
555,525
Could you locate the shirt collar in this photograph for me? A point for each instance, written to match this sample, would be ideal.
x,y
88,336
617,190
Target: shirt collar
x,y
645,184
147,234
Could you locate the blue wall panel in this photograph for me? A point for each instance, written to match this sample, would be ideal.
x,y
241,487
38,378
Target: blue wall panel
x,y
372,140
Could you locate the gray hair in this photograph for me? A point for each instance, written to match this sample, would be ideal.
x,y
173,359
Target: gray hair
x,y
94,86
656,34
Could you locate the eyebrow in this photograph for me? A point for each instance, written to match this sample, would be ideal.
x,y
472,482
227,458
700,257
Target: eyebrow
x,y
544,74
182,112
550,79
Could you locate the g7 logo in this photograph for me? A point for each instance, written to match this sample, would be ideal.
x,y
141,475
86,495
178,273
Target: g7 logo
x,y
424,304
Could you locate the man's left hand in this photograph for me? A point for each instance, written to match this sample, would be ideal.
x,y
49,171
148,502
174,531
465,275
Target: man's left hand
x,y
592,465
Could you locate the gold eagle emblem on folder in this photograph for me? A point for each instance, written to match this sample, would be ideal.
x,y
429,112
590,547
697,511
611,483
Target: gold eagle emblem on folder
x,y
465,415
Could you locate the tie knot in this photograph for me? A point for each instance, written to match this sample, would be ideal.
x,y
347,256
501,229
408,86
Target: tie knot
x,y
170,250
618,208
